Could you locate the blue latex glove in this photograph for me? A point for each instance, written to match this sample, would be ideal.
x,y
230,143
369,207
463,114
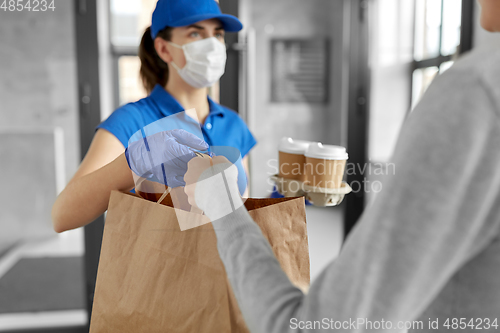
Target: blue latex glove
x,y
164,156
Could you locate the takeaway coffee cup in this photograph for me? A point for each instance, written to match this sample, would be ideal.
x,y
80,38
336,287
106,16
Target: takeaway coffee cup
x,y
325,165
292,159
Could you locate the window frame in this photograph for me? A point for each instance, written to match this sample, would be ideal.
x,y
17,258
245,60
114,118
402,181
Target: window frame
x,y
466,35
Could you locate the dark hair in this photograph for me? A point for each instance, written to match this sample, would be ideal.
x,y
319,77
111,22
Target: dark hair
x,y
153,69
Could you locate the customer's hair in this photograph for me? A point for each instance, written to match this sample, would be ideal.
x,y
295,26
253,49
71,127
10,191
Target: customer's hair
x,y
153,69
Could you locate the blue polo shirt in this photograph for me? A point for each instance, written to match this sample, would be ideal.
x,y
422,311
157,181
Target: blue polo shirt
x,y
223,126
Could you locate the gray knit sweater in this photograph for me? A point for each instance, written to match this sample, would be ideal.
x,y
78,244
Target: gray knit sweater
x,y
426,250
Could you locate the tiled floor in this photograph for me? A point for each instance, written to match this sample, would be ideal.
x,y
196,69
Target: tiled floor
x,y
60,245
325,233
69,243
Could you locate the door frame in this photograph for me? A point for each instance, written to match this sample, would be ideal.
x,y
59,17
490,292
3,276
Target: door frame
x,y
358,107
87,54
229,82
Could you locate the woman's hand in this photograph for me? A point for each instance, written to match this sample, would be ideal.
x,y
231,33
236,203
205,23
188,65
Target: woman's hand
x,y
164,156
212,186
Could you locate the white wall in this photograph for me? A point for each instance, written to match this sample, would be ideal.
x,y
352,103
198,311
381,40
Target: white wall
x,y
271,121
38,93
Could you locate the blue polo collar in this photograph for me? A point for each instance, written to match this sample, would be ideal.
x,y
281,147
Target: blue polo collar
x,y
215,108
168,105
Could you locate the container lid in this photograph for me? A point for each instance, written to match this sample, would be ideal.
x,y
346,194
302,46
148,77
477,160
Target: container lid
x,y
291,146
327,152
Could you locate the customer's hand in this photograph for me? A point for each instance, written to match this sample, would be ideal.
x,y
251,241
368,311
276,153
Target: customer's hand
x,y
164,156
212,186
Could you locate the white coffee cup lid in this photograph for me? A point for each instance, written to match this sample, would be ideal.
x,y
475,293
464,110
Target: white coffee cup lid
x,y
327,152
291,146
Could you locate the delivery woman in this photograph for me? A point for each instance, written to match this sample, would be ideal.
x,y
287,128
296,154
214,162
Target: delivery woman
x,y
182,54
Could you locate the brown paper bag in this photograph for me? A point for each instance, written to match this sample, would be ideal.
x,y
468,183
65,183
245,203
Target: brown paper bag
x,y
153,277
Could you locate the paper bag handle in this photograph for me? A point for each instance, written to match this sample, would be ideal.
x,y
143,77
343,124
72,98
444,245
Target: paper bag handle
x,y
167,191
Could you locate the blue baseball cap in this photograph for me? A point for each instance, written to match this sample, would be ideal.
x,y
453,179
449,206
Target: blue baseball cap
x,y
179,13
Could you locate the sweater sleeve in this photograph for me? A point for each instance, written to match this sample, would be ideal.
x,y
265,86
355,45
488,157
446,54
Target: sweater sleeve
x,y
435,212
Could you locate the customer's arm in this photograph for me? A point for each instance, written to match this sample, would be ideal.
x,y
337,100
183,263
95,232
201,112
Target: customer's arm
x,y
433,214
86,196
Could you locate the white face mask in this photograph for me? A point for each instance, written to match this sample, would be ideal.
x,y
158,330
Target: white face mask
x,y
205,62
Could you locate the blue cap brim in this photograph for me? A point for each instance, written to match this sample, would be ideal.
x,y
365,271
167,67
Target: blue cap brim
x,y
229,22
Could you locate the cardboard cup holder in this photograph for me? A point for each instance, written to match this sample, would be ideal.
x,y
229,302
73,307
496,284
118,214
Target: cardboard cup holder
x,y
323,197
318,196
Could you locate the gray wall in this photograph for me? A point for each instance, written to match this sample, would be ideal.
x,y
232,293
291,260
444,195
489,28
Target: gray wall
x,y
271,121
38,93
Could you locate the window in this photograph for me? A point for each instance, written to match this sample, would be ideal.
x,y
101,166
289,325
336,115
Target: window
x,y
410,43
391,60
130,87
437,39
128,21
